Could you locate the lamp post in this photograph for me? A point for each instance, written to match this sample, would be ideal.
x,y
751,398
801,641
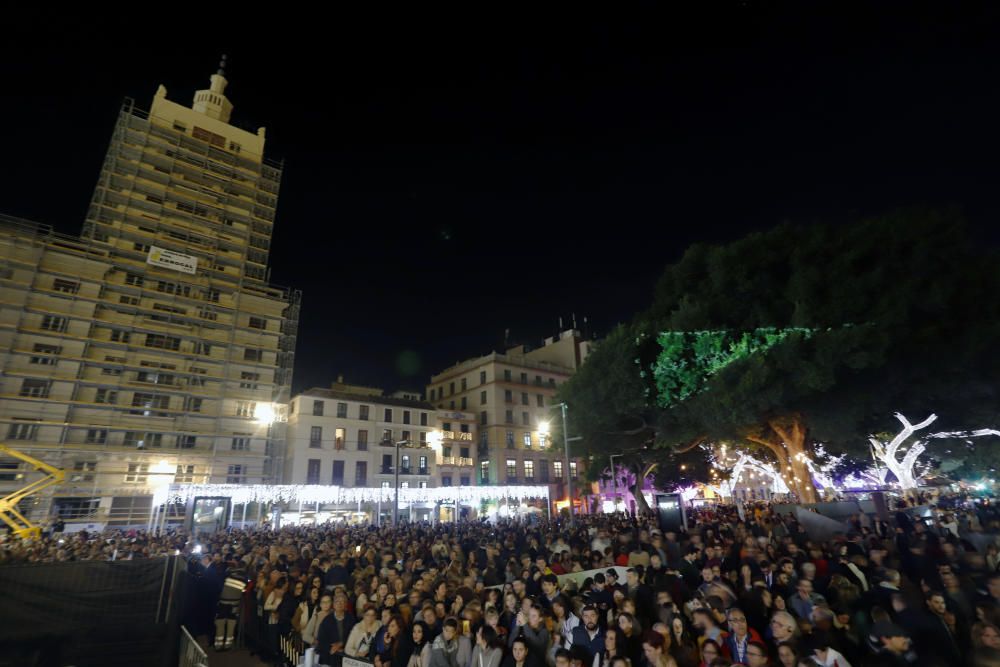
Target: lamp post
x,y
395,486
544,428
614,483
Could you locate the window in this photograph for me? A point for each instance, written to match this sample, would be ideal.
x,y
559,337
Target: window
x,y
445,480
482,377
463,452
363,440
45,351
184,474
404,485
446,451
173,288
507,376
484,472
482,417
524,378
67,286
451,388
258,323
241,444
508,396
465,403
192,404
525,419
388,415
405,436
316,437
464,480
543,471
137,473
186,442
337,479
464,428
363,413
235,474
361,473
203,349
97,436
464,384
141,440
527,440
83,471
510,439
385,485
538,380
253,354
162,342
406,416
312,474
53,323
342,410
339,439
197,381
24,430
387,436
572,469
433,396
524,398
318,408
120,336
404,464
540,401
511,469
245,408
423,418
557,471
106,396
552,382
133,279
249,380
422,437
422,465
386,464
508,417
211,295
150,404
482,398
529,471
35,388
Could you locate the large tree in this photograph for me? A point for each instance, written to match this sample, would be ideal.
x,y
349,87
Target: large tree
x,y
800,335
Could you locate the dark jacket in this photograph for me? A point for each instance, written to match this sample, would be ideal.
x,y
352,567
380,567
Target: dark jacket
x,y
328,635
593,646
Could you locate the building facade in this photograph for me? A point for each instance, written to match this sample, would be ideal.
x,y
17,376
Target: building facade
x,y
512,398
346,435
151,350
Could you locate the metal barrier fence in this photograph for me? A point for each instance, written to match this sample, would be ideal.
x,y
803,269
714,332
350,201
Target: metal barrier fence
x,y
191,655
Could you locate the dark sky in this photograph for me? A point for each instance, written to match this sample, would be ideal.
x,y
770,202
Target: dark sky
x,y
451,176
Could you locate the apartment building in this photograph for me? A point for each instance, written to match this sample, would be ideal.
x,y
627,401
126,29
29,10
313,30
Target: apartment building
x,y
512,396
150,350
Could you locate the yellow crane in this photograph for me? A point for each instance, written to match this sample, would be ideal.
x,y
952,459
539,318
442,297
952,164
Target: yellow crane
x,y
9,513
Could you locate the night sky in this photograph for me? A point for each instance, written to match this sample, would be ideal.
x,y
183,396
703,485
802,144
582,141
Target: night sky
x,y
452,176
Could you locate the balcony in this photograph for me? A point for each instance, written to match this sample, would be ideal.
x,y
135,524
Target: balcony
x,y
455,461
423,471
385,470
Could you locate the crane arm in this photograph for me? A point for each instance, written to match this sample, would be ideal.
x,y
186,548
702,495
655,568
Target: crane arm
x,y
9,513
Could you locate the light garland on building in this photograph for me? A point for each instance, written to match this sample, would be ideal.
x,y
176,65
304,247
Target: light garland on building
x,y
311,494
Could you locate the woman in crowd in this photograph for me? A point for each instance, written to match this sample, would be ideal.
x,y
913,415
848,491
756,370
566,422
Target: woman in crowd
x,y
488,651
307,609
565,621
611,649
685,648
656,650
787,655
710,652
362,637
520,655
630,638
311,628
398,645
421,653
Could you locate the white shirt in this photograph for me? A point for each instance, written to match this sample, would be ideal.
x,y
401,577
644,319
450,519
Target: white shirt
x,y
833,658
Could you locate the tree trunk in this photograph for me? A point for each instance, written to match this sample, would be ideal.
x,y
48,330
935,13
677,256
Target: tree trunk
x,y
793,435
641,471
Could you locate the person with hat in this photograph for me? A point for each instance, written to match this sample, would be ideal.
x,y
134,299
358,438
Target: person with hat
x,y
894,646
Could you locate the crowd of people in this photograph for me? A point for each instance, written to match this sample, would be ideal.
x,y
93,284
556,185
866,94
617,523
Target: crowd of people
x,y
741,586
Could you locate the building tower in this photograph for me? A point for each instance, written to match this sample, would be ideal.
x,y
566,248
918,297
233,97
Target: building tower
x,y
152,349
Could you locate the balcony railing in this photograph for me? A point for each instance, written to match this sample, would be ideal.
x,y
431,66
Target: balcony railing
x,y
423,471
455,461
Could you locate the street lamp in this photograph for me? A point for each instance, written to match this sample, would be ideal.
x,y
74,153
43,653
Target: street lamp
x,y
544,428
614,483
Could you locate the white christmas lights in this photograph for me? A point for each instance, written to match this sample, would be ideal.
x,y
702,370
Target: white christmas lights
x,y
310,494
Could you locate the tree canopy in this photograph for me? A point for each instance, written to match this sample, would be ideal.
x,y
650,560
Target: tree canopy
x,y
802,334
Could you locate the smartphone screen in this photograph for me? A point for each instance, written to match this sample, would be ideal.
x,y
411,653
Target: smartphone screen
x,y
466,627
